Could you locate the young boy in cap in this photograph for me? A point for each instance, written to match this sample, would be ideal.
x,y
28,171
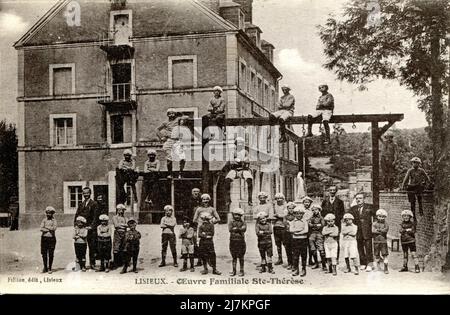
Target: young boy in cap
x,y
216,108
331,232
299,230
132,243
380,228
205,208
48,239
324,109
126,174
414,183
80,243
237,228
307,203
349,244
120,227
187,235
151,170
408,239
264,232
316,224
263,206
104,242
287,238
279,226
206,245
286,107
168,223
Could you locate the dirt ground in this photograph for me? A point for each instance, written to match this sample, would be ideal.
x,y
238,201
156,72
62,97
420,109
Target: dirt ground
x,y
20,272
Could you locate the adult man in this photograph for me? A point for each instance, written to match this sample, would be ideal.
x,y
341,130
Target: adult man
x,y
240,168
363,214
89,210
324,109
388,159
126,174
102,206
191,208
286,106
414,183
332,204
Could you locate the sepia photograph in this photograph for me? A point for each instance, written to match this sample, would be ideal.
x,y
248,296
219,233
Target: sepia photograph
x,y
232,147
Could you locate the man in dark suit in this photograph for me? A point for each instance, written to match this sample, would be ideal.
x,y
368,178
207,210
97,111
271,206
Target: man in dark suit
x,y
363,214
332,204
89,210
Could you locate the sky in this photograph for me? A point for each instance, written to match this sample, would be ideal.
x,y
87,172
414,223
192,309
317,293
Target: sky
x,y
290,25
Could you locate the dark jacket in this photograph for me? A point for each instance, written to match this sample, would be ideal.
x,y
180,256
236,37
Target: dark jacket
x,y
407,232
363,221
336,208
89,212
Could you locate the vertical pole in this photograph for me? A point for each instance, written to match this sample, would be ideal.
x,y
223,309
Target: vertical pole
x,y
375,166
205,159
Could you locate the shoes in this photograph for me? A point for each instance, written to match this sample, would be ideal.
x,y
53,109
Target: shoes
x,y
175,264
416,269
404,269
199,264
233,273
279,262
107,270
289,267
368,269
183,269
386,270
50,271
263,269
241,273
250,203
356,272
316,266
192,269
303,272
295,273
204,272
162,264
135,270
216,272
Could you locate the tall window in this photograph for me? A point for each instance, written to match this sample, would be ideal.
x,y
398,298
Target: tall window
x,y
75,196
121,128
182,72
243,77
62,79
62,130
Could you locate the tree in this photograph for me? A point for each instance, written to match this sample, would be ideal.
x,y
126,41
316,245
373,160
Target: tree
x,y
404,41
8,163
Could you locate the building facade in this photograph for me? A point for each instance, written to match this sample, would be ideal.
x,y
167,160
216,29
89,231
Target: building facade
x,y
97,77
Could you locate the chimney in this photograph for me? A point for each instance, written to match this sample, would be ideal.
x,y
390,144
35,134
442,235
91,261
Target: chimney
x,y
247,7
213,5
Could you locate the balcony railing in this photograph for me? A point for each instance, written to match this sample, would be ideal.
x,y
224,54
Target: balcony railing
x,y
118,96
121,92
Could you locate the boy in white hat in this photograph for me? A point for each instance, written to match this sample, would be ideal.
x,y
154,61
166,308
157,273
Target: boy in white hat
x,y
205,208
263,206
216,108
168,223
307,203
187,236
287,238
120,227
151,175
104,242
299,230
132,244
349,243
206,244
237,228
48,239
286,107
80,243
316,224
126,174
414,183
263,229
331,233
408,240
380,228
279,225
324,109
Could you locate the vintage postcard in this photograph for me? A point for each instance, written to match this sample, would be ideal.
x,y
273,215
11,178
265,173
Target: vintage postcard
x,y
224,147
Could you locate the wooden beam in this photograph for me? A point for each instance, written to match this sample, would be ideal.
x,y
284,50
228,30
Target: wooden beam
x,y
375,166
385,128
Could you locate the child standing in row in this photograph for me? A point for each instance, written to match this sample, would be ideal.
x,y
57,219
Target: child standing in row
x,y
104,243
263,206
279,226
120,227
206,245
287,233
380,229
299,230
132,244
168,223
238,247
187,236
264,233
408,239
80,243
316,224
349,244
331,233
48,239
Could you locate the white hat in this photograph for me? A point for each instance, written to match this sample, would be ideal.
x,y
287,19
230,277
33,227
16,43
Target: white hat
x,y
279,195
381,212
316,206
299,210
217,88
285,86
127,152
348,216
103,217
168,207
237,211
407,212
307,198
416,159
329,216
170,110
50,209
262,194
81,219
206,196
121,206
151,151
290,204
261,215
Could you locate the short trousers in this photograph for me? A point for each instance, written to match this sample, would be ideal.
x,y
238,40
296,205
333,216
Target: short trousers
x,y
266,248
325,113
380,249
187,249
283,114
410,246
331,249
104,248
350,248
316,241
119,241
47,244
239,174
238,248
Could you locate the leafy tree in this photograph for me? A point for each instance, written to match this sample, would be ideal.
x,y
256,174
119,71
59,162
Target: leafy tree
x,y
406,42
8,163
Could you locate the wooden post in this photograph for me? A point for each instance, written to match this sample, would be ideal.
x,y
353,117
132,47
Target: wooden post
x,y
375,166
205,160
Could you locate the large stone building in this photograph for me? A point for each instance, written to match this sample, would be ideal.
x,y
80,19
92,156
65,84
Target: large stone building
x,y
96,77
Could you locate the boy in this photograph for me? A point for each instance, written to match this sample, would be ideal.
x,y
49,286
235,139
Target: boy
x,y
151,169
168,223
279,226
216,108
264,232
316,224
380,228
237,228
414,183
331,232
408,239
205,208
324,109
80,243
263,206
286,107
126,174
104,242
299,230
120,227
287,237
48,239
132,243
187,235
206,245
349,244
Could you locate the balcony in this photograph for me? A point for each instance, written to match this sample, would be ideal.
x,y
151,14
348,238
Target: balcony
x,y
120,97
118,51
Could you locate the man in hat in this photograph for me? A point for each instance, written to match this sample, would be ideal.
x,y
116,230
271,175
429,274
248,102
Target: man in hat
x,y
414,183
286,106
151,175
88,209
332,204
324,109
126,174
389,157
194,202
